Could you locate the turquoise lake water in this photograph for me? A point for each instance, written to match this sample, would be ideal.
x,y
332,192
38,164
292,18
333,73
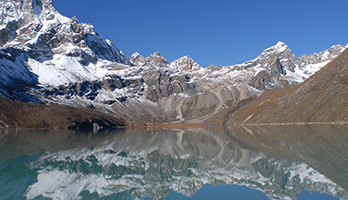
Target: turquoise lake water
x,y
240,162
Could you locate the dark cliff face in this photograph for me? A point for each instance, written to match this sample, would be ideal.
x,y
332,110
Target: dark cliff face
x,y
268,78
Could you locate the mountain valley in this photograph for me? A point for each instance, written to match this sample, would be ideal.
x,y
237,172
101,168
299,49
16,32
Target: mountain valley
x,y
49,59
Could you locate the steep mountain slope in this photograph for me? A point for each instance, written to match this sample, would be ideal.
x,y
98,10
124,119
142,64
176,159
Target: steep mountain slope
x,y
42,48
321,98
48,58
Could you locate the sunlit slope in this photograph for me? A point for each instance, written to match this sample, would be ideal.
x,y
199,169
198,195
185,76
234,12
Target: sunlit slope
x,y
321,98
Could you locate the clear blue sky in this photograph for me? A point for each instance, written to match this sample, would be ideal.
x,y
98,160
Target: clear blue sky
x,y
220,32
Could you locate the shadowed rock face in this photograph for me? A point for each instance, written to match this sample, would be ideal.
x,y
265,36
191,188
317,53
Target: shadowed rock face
x,y
4,36
270,77
153,162
64,61
261,80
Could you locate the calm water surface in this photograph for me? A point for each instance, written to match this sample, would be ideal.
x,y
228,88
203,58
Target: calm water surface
x,y
242,162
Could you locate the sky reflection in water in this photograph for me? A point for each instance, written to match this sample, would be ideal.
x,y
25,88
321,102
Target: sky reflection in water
x,y
243,162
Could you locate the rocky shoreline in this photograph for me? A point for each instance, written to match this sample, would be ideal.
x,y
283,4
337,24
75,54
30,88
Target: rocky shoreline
x,y
27,115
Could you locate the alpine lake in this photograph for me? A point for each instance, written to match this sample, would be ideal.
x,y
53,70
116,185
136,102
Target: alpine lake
x,y
234,162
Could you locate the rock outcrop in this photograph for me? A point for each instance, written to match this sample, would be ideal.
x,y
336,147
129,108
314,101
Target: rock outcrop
x,y
48,58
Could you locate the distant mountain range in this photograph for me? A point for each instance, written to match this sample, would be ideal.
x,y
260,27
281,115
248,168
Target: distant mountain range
x,y
48,58
321,98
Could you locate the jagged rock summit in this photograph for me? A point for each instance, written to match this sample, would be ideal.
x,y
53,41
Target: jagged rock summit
x,y
153,60
16,14
48,58
36,29
185,63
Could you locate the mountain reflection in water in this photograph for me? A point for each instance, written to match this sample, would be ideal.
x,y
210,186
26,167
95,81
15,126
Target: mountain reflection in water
x,y
279,161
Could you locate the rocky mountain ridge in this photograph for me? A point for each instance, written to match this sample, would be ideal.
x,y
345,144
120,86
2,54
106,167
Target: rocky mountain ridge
x,y
321,99
48,58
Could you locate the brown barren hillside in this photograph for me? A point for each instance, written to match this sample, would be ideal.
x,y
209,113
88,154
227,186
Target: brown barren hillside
x,y
321,98
17,114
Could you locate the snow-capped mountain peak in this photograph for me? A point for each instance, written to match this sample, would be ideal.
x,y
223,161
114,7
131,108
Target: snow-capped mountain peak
x,y
36,25
280,44
185,63
14,14
153,60
137,59
277,49
157,59
47,57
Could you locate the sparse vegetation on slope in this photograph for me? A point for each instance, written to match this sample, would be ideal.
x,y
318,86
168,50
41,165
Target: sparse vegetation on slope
x,y
321,98
17,114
